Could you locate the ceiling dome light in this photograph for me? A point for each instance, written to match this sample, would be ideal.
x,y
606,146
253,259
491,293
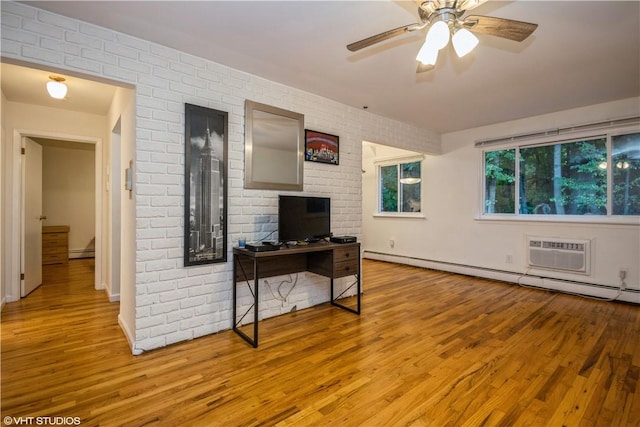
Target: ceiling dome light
x,y
410,180
464,42
56,88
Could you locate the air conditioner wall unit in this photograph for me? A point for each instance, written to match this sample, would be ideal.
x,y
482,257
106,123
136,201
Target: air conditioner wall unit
x,y
566,255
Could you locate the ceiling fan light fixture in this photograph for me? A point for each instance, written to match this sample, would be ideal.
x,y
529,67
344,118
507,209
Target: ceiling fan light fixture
x,y
438,34
463,41
56,88
428,54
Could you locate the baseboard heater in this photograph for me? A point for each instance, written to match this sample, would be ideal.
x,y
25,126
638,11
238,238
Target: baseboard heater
x,y
538,281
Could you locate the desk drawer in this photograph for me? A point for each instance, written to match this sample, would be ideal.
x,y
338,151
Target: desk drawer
x,y
346,268
345,254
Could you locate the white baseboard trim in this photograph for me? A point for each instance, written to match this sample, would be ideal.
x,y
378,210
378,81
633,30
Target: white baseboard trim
x,y
129,335
81,253
113,297
587,289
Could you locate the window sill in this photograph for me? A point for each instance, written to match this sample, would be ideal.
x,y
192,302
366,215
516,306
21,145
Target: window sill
x,y
416,215
577,219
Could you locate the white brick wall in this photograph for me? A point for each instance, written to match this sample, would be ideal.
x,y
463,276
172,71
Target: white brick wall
x,y
174,303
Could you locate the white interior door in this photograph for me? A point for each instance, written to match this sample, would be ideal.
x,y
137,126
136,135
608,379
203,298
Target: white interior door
x,y
32,218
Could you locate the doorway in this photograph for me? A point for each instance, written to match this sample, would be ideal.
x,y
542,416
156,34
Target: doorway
x,y
31,232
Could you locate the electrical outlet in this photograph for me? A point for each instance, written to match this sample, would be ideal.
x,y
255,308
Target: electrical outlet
x,y
392,243
509,259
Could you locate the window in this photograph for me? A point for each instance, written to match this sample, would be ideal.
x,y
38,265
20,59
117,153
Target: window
x,y
591,176
625,167
400,187
500,181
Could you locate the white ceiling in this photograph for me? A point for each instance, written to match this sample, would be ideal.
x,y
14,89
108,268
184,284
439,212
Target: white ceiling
x,y
583,53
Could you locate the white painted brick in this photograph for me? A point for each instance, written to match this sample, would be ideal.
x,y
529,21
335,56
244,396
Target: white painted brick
x,y
98,56
151,266
133,42
163,330
43,29
177,316
82,64
58,21
167,179
162,308
167,117
121,50
192,60
119,73
150,255
165,243
151,124
134,65
166,95
146,300
176,295
9,21
165,222
182,68
151,59
148,343
18,9
182,89
179,337
149,322
164,52
154,82
93,43
39,54
12,34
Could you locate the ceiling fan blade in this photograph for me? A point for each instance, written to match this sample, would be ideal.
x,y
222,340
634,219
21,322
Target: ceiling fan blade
x,y
422,67
380,37
469,4
500,27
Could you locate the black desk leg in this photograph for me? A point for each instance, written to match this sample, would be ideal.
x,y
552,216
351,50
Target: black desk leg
x,y
337,304
253,341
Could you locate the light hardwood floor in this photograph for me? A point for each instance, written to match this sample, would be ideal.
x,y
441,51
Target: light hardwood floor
x,y
430,348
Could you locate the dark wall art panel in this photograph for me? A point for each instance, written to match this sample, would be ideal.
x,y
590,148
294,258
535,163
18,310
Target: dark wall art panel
x,y
205,239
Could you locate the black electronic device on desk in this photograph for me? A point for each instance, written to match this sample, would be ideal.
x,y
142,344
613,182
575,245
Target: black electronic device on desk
x,y
259,247
343,239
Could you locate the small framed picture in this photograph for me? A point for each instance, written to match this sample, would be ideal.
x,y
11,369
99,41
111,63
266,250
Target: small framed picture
x,y
321,147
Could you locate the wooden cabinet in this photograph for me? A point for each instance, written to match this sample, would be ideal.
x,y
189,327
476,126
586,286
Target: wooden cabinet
x,y
55,244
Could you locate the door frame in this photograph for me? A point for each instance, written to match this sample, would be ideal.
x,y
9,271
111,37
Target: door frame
x,y
17,230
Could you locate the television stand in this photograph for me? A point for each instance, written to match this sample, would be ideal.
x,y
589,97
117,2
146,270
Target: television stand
x,y
332,260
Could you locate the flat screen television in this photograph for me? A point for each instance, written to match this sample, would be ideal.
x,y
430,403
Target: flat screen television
x,y
302,218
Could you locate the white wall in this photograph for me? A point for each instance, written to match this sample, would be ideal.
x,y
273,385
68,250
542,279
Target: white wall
x,y
452,233
4,138
123,109
174,303
68,193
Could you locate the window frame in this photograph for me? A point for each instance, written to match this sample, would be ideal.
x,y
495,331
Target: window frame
x,y
609,218
397,161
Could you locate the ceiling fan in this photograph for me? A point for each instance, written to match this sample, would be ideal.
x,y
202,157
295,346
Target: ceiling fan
x,y
444,19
